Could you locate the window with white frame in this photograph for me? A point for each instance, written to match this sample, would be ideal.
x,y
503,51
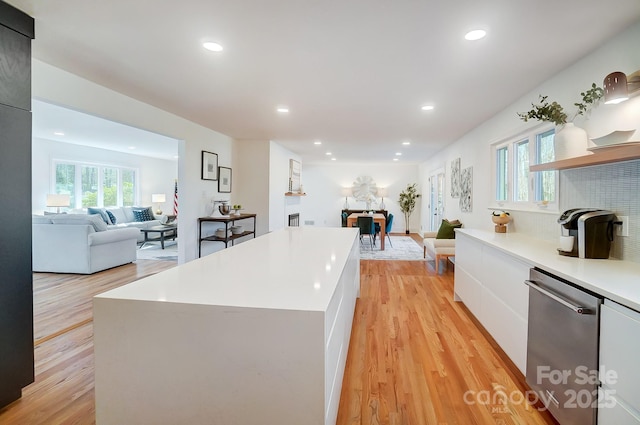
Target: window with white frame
x,y
515,187
94,185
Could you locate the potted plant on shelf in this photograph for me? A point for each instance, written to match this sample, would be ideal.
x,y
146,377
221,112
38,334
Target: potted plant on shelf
x,y
569,140
407,203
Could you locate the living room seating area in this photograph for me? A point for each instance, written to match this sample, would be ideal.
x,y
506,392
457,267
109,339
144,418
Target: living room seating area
x,y
89,240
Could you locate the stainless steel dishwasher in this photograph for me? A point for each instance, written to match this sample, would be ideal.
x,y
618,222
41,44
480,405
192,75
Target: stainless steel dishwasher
x,y
562,348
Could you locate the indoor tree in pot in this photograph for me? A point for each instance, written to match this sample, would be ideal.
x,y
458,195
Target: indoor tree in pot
x,y
569,140
407,203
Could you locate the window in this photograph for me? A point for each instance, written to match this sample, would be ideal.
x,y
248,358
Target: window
x,y
502,168
515,186
545,181
91,185
522,171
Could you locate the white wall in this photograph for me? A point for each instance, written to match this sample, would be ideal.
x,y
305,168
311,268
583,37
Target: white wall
x,y
63,88
155,175
281,206
619,54
251,180
324,182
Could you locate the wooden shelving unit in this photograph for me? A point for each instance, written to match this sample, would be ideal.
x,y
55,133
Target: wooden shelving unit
x,y
226,220
294,194
604,156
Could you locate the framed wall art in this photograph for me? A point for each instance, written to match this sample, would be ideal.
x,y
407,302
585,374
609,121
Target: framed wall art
x,y
224,179
455,178
466,190
209,166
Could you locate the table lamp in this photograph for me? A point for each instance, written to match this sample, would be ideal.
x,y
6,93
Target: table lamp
x,y
382,191
58,200
346,191
158,198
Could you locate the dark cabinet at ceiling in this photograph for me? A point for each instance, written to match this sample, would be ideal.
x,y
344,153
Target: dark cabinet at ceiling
x,y
16,292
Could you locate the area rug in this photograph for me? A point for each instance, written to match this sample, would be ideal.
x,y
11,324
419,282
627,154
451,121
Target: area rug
x,y
404,248
153,251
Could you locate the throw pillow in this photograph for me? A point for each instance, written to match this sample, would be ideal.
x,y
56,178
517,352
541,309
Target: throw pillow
x,y
111,217
446,230
143,214
101,212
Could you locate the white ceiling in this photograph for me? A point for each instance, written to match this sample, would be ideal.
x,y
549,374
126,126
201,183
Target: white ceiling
x,y
353,73
88,130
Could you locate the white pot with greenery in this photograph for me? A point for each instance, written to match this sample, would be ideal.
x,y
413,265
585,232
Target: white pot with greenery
x,y
569,141
407,203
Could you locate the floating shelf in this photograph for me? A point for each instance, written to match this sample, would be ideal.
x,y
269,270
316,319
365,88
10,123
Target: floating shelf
x,y
604,156
294,194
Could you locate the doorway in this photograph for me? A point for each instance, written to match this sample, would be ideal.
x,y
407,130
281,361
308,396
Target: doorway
x,y
436,199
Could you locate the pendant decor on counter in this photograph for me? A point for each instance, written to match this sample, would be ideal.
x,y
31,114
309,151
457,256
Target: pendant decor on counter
x,y
570,141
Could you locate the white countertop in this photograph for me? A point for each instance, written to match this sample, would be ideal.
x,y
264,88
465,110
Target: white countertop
x,y
613,279
296,268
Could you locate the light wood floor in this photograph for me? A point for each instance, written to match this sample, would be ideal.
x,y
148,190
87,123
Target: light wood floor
x,y
413,356
63,390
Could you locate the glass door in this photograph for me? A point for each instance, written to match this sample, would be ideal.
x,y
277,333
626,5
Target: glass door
x,y
436,199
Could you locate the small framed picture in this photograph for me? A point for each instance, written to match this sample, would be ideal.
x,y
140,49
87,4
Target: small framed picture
x,y
209,166
224,180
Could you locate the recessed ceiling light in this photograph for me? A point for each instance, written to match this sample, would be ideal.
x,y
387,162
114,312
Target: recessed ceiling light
x,y
214,47
328,153
58,133
398,153
333,159
132,147
395,159
475,35
427,107
406,143
317,142
283,109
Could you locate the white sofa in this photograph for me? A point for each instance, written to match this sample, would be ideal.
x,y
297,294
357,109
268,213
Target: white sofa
x,y
438,248
125,218
80,243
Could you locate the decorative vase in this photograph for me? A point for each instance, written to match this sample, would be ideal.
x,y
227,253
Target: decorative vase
x,y
570,141
501,223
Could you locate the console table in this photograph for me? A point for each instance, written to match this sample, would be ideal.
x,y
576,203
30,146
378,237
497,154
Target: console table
x,y
226,220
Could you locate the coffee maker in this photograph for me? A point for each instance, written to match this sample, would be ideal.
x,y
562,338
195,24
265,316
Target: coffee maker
x,y
591,229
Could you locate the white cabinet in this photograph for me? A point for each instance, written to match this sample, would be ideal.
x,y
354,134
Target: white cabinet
x,y
491,284
619,366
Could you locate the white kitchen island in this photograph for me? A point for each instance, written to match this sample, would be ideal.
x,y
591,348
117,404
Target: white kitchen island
x,y
254,334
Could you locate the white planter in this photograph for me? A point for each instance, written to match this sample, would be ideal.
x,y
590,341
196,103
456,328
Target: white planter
x,y
570,141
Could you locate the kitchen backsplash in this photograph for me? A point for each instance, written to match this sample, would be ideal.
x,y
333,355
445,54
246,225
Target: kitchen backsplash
x,y
614,187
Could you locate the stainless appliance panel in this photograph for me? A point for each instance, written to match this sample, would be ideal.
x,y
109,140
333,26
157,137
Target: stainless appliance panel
x,y
562,350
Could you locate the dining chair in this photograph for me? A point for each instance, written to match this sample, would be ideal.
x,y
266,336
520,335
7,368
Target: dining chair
x,y
387,228
367,228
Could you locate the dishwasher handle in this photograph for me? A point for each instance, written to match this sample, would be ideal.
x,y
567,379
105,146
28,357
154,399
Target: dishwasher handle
x,y
576,308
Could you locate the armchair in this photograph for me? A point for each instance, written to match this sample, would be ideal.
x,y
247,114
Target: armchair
x,y
438,248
